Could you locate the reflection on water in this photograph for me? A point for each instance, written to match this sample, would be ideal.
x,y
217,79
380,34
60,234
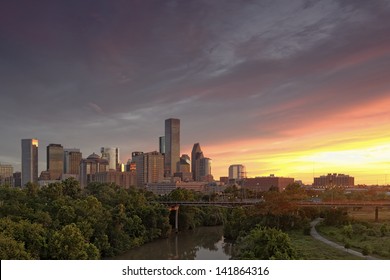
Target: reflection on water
x,y
205,243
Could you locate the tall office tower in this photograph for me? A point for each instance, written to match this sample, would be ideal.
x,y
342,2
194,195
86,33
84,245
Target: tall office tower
x,y
72,160
89,167
149,167
137,158
6,174
205,169
29,161
154,163
237,172
172,146
55,161
161,144
196,155
112,155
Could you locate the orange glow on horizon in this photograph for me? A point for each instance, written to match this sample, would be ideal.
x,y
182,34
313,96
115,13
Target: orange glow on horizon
x,y
355,142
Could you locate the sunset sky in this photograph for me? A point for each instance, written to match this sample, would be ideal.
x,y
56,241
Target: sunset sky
x,y
293,88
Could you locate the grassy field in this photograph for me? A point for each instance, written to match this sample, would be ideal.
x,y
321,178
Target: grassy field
x,y
368,214
310,249
374,238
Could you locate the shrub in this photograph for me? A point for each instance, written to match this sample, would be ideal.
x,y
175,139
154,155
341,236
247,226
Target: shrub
x,y
384,229
359,229
347,231
367,250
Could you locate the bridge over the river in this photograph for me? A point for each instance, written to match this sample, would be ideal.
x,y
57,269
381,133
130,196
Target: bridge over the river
x,y
244,202
174,205
348,204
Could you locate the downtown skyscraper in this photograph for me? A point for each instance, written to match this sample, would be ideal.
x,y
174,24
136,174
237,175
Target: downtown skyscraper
x,y
200,165
111,154
149,167
72,160
29,161
55,161
196,156
172,146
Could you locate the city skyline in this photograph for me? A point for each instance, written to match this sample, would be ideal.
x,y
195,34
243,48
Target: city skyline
x,y
197,157
291,88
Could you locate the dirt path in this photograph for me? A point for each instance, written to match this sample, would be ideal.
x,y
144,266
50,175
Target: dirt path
x,y
316,235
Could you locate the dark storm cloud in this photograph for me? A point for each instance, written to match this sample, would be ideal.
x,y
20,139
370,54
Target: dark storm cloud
x,y
78,68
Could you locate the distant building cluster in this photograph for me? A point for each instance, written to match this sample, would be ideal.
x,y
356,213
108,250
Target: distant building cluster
x,y
334,180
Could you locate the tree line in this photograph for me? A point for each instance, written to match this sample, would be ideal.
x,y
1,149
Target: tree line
x,y
62,221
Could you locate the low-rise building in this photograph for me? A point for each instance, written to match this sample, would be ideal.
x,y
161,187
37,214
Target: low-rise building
x,y
122,179
261,184
183,176
167,187
334,180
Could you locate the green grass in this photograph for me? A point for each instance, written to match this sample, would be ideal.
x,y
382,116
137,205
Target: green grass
x,y
309,248
368,235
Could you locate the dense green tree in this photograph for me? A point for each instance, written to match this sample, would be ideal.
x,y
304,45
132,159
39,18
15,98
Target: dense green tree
x,y
235,223
266,244
334,194
66,215
294,191
212,216
107,219
52,191
10,249
71,187
32,190
338,216
69,244
180,194
32,235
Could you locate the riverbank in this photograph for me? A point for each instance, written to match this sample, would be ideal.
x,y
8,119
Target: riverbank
x,y
202,243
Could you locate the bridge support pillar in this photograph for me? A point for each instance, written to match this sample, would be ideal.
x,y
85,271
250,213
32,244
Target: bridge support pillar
x,y
376,214
176,209
177,219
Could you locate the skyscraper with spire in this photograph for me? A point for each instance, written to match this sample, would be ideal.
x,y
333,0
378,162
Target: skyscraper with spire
x,y
196,156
